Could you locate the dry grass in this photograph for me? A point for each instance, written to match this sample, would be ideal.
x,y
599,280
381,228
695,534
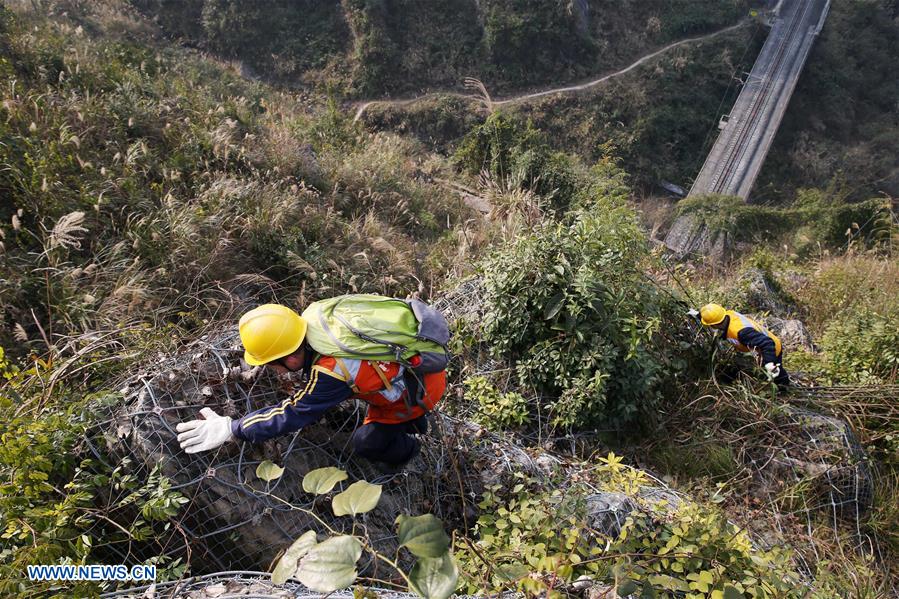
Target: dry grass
x,y
847,282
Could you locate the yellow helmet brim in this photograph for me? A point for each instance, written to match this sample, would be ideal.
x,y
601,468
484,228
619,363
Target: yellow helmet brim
x,y
249,359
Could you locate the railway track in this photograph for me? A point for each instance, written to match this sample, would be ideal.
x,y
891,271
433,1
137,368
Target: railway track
x,y
740,150
739,147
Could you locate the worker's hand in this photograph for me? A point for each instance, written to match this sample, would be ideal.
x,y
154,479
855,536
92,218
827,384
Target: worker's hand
x,y
693,313
203,435
772,371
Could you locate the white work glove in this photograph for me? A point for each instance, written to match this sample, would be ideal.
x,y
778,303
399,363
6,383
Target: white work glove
x,y
693,312
772,371
202,435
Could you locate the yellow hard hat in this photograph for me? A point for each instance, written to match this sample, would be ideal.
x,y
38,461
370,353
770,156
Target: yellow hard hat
x,y
712,314
269,332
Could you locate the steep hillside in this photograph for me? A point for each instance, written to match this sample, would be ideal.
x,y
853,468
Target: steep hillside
x,y
373,48
171,172
661,118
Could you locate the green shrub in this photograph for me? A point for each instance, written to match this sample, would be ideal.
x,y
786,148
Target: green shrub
x,y
516,155
806,362
570,304
57,506
496,410
493,145
700,554
529,536
863,346
531,539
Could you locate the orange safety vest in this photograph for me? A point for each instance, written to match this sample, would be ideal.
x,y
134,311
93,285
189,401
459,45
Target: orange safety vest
x,y
383,387
738,322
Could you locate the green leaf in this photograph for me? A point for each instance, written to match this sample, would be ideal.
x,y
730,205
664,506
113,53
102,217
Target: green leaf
x,y
628,587
330,565
269,471
359,498
648,592
422,535
554,306
287,565
322,480
434,577
512,572
731,592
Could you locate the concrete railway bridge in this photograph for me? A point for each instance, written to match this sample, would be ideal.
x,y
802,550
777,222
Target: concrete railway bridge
x,y
736,158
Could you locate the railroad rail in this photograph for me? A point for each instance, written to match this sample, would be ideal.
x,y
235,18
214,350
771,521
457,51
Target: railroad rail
x,y
736,158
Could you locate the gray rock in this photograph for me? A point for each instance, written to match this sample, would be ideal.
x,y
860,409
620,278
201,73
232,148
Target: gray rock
x,y
660,499
762,294
792,333
607,512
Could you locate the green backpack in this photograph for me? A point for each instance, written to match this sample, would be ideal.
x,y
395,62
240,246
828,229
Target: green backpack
x,y
378,328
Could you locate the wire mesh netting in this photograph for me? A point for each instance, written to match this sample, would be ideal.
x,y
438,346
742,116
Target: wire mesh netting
x,y
232,519
233,525
240,583
823,452
810,473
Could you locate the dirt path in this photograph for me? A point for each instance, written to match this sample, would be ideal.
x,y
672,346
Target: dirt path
x,y
362,107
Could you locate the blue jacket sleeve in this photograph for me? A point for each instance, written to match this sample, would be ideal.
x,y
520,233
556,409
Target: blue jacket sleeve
x,y
760,342
322,393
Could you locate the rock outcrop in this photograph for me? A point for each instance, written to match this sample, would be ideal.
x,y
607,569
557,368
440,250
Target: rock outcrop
x,y
763,294
793,333
821,458
608,511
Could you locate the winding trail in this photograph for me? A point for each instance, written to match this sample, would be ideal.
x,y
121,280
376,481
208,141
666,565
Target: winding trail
x,y
363,106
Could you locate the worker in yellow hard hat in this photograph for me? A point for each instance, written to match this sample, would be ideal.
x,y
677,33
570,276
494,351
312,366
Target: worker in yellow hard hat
x,y
747,335
270,333
275,336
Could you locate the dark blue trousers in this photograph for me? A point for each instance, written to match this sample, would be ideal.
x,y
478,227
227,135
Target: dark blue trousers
x,y
389,443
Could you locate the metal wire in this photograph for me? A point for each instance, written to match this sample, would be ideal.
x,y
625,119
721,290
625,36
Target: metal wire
x,y
232,520
234,525
246,584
